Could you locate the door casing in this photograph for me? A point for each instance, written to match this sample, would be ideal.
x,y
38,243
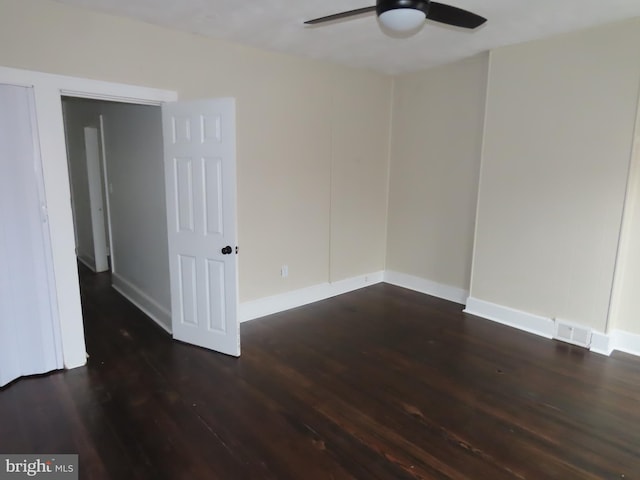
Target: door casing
x,y
48,92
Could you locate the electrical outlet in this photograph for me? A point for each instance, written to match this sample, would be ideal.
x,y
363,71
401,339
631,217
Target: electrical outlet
x,y
284,271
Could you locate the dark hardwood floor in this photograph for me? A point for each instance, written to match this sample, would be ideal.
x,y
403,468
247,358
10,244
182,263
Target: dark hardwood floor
x,y
382,383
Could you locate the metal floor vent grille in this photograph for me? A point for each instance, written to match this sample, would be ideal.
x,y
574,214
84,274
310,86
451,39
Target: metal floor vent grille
x,y
571,333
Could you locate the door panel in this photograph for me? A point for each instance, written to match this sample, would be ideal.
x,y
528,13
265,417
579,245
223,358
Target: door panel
x,y
29,325
201,217
216,296
184,194
187,287
213,190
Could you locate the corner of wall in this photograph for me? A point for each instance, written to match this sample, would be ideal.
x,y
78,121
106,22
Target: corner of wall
x,y
389,160
631,201
480,174
428,287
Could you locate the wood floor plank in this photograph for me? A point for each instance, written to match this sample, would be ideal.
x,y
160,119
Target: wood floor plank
x,y
381,383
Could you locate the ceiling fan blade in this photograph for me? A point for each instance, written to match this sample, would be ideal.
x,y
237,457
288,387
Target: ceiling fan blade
x,y
439,12
338,16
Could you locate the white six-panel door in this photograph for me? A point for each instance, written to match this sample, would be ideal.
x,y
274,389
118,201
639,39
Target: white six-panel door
x,y
200,175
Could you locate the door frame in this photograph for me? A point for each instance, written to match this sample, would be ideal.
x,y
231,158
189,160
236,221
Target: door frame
x,y
105,190
48,91
96,198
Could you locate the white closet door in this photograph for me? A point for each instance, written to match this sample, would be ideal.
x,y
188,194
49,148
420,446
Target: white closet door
x,y
29,328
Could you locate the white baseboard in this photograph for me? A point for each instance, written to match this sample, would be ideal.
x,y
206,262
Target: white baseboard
x,y
277,303
601,343
625,342
422,285
144,302
538,325
88,262
528,322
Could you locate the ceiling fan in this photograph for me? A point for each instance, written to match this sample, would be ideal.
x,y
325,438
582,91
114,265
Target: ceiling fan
x,y
406,15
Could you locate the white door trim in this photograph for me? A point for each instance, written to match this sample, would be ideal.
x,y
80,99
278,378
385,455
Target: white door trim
x,y
48,90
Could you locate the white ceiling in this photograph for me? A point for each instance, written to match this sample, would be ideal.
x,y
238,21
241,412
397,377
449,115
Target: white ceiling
x,y
360,42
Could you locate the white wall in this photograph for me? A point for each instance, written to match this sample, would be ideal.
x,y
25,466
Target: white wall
x,y
134,155
557,142
435,160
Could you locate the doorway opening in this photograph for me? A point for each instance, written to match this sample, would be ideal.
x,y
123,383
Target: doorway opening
x,y
153,201
198,160
116,176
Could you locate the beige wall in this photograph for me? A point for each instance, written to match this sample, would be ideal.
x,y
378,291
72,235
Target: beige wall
x,y
437,134
558,131
359,176
300,133
314,144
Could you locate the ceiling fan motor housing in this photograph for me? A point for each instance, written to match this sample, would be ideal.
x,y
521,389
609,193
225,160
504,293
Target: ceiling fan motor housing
x,y
408,15
386,5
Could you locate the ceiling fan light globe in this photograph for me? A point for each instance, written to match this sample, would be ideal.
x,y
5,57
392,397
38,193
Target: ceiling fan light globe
x,y
402,19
